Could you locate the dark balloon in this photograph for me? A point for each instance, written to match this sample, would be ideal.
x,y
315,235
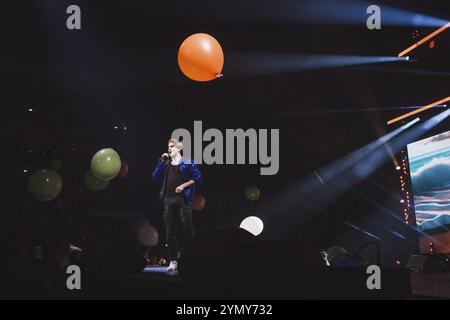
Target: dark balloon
x,y
123,169
93,183
252,193
198,203
45,184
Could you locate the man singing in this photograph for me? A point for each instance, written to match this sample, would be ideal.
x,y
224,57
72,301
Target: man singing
x,y
178,177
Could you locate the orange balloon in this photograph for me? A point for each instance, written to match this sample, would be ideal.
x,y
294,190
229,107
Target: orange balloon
x,y
200,57
198,203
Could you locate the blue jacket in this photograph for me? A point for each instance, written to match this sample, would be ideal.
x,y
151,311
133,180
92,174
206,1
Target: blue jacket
x,y
189,171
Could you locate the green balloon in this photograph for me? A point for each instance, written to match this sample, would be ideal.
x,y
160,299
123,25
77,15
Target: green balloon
x,y
105,164
55,164
252,193
45,184
93,183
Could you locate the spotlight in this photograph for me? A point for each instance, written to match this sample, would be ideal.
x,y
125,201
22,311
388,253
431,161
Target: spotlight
x,y
398,168
414,46
25,170
116,127
309,197
30,109
434,104
269,63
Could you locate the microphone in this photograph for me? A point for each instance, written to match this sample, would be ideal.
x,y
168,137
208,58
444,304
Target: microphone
x,y
164,157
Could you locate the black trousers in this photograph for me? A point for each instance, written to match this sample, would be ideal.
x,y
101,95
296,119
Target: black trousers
x,y
177,211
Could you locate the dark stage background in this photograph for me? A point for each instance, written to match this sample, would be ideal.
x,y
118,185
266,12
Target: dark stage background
x,y
121,70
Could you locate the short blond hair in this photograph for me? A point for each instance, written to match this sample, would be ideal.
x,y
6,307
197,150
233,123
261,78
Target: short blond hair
x,y
177,143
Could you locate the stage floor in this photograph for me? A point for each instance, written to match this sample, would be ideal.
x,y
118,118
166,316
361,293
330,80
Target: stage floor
x,y
155,284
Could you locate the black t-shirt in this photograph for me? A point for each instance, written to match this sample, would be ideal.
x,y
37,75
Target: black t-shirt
x,y
174,179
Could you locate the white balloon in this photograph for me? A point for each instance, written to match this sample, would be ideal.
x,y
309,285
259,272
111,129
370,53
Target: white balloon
x,y
252,224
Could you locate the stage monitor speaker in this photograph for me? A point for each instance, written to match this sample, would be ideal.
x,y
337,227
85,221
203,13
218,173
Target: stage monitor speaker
x,y
429,263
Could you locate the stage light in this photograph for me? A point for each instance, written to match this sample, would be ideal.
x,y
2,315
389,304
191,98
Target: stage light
x,y
433,34
397,234
332,253
398,168
389,230
252,224
310,195
319,177
391,154
374,236
325,111
355,157
371,235
25,170
30,109
116,127
406,115
348,12
270,63
331,12
432,249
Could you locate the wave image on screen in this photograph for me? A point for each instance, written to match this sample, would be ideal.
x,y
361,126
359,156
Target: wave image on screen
x,y
429,164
